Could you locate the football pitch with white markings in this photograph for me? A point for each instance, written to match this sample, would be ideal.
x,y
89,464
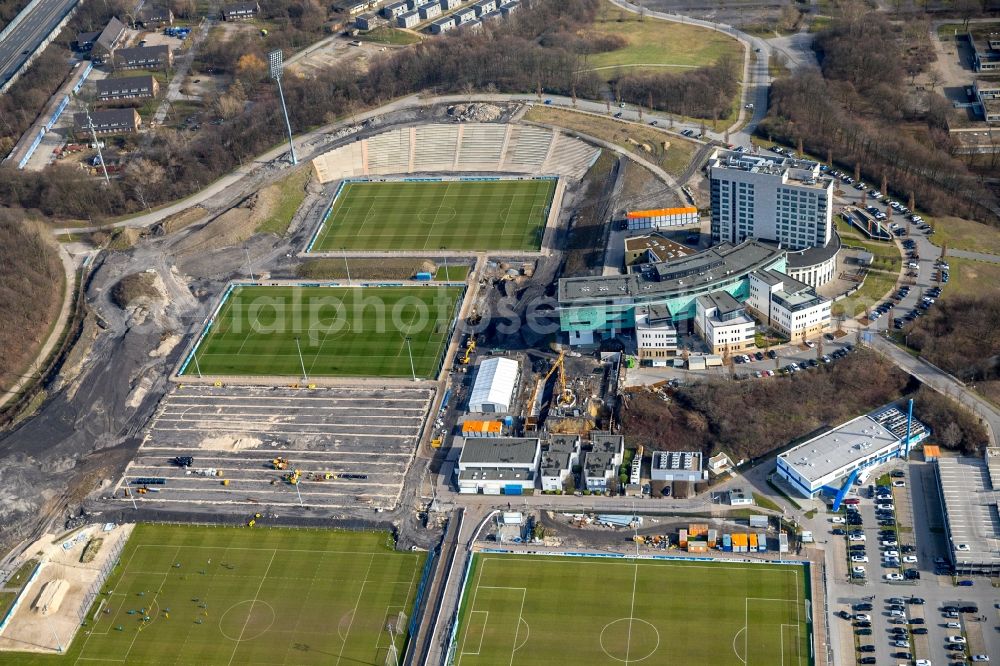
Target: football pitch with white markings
x,y
543,610
449,215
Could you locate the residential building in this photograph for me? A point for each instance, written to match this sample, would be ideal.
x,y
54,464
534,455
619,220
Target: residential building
x,y
472,26
85,40
778,199
492,17
144,57
430,11
110,39
155,17
560,454
448,5
653,248
663,218
787,305
493,390
988,95
970,496
484,7
985,46
832,460
106,121
367,21
724,325
509,8
408,20
355,7
677,466
498,465
129,87
394,10
463,16
443,25
593,308
656,335
719,464
601,460
240,11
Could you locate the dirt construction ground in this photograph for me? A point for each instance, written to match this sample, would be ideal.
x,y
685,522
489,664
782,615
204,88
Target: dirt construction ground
x,y
29,630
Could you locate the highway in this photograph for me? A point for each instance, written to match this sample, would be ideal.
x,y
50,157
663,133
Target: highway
x,y
33,29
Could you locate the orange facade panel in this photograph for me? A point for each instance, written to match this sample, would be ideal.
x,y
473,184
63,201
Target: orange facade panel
x,y
661,212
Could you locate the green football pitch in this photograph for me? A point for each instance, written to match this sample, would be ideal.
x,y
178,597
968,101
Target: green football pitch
x,y
341,331
227,596
545,610
451,215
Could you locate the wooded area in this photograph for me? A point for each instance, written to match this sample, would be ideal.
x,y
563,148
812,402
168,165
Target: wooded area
x,y
750,418
961,335
862,111
31,281
706,92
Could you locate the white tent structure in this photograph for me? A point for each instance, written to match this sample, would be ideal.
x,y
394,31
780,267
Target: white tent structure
x,y
494,387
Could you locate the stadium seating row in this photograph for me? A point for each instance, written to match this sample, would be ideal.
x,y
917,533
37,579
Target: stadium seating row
x,y
469,147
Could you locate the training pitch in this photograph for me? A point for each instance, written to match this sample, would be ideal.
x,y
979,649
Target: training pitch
x,y
449,215
227,596
341,332
573,610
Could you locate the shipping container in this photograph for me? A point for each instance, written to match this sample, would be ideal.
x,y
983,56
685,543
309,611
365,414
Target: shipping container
x,y
727,543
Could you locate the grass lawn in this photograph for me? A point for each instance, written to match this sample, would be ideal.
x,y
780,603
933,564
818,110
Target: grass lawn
x,y
291,190
673,159
722,614
390,36
451,215
876,286
218,595
656,44
962,234
342,331
451,273
971,278
886,254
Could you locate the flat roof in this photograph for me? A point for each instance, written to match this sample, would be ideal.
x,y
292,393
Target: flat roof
x,y
677,460
664,248
839,447
802,173
722,300
499,450
814,256
696,272
970,500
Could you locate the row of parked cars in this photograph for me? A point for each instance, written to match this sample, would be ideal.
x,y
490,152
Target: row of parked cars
x,y
956,642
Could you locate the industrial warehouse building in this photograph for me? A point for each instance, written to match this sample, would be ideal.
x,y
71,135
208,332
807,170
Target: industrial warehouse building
x,y
677,466
494,388
971,501
832,460
498,465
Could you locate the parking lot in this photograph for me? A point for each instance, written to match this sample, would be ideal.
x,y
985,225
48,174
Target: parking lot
x,y
877,620
342,447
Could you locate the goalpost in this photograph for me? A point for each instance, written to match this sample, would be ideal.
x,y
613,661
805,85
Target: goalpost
x,y
395,625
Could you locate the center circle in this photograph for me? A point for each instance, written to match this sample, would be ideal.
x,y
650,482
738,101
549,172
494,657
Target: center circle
x,y
246,620
629,639
437,215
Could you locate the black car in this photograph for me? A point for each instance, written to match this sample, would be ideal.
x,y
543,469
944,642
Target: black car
x,y
863,606
955,647
919,631
863,624
886,523
917,620
897,474
844,614
838,531
949,609
759,356
866,660
866,648
902,655
911,574
772,354
968,609
917,601
857,547
897,630
863,632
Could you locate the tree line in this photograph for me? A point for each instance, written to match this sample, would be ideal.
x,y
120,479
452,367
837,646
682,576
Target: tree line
x,y
706,92
859,110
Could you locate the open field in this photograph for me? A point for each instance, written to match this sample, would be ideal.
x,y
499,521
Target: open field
x,y
216,595
450,215
625,610
673,159
971,278
962,234
656,44
289,193
339,331
390,36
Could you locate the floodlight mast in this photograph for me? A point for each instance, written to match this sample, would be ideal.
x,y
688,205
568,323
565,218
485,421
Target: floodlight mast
x,y
276,61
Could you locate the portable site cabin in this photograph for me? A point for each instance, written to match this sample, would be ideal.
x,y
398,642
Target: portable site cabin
x,y
727,543
753,542
783,542
761,542
696,363
683,538
713,537
697,546
757,521
740,542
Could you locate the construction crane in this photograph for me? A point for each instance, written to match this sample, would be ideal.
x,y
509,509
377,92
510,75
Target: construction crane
x,y
566,396
470,346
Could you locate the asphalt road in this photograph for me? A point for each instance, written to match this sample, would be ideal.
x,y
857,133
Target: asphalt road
x,y
18,46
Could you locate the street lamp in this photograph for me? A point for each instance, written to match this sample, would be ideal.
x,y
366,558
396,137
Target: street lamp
x,y
409,353
276,61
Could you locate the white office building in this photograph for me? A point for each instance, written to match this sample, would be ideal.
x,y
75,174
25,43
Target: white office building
x,y
560,455
828,460
723,323
783,200
656,335
787,305
677,466
601,460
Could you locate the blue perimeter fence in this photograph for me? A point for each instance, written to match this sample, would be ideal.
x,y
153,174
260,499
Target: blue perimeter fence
x,y
54,117
17,602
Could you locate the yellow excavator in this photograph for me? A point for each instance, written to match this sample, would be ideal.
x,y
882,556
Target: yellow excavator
x,y
566,396
280,463
470,346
